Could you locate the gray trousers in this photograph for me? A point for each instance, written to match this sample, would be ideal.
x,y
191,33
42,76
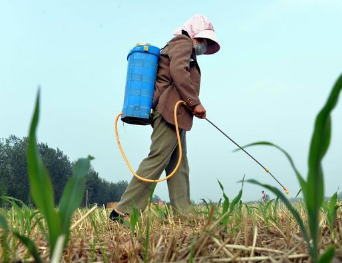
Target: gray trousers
x,y
164,154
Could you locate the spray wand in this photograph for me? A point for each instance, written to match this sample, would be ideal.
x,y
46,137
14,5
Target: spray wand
x,y
266,170
180,150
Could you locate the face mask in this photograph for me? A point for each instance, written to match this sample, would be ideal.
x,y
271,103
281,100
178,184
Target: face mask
x,y
200,49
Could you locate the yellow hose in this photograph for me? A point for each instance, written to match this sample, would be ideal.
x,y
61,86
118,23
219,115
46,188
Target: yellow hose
x,y
179,146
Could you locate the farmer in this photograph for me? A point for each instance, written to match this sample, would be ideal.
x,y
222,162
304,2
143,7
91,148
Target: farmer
x,y
178,78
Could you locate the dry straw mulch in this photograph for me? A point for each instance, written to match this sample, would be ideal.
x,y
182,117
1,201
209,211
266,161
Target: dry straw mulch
x,y
198,237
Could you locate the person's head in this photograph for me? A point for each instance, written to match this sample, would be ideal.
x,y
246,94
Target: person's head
x,y
262,192
202,34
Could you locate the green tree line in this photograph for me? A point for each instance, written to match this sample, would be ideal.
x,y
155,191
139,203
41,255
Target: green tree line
x,y
14,177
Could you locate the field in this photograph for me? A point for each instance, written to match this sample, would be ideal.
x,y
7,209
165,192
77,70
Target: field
x,y
251,233
229,231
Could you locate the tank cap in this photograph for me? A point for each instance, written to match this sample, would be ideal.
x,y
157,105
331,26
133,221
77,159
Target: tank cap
x,y
143,44
145,48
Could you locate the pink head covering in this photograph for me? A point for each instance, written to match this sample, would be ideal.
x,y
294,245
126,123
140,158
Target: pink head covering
x,y
199,26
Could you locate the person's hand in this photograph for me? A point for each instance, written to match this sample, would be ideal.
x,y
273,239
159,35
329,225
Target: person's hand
x,y
199,111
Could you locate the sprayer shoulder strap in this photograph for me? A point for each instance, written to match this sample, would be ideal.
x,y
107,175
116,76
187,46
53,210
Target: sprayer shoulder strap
x,y
183,33
161,50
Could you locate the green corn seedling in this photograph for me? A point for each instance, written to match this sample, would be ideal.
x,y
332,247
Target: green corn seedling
x,y
313,187
57,221
225,205
134,220
148,222
192,250
331,213
228,208
4,252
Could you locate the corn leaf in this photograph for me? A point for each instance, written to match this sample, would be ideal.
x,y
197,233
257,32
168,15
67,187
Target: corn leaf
x,y
300,190
289,206
73,193
319,145
30,246
4,246
192,250
327,256
40,184
206,204
3,223
225,205
145,256
134,218
237,198
332,210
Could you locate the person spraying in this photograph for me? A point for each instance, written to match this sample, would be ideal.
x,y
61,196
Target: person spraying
x,y
178,78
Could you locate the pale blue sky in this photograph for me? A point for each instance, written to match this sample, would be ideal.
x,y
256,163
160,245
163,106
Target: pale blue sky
x,y
277,64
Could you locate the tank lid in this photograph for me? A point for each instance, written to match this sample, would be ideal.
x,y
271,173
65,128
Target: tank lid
x,y
143,44
145,48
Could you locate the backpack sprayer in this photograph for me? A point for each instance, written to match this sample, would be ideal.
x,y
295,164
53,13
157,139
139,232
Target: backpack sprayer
x,y
137,109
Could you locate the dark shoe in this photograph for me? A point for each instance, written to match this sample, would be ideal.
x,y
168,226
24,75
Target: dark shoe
x,y
116,217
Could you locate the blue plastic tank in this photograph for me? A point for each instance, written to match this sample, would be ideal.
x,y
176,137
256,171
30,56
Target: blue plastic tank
x,y
140,81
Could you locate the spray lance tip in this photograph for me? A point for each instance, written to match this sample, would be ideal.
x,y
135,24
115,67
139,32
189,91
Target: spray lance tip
x,y
285,189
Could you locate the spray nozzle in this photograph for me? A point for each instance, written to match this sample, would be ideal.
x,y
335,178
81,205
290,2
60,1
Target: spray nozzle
x,y
286,191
